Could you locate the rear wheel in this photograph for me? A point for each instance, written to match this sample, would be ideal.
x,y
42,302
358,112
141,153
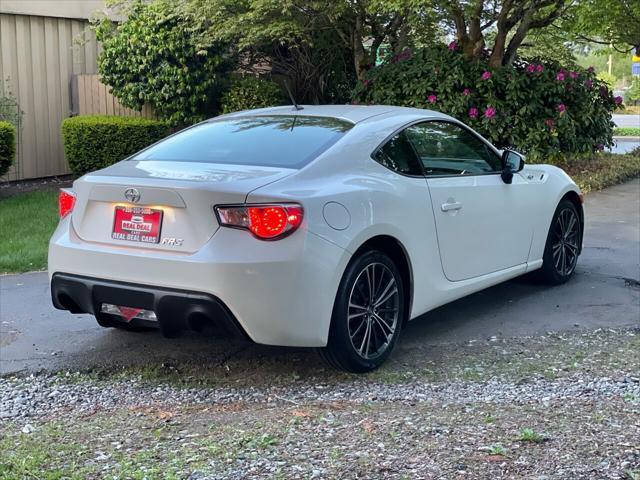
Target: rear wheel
x,y
563,245
367,315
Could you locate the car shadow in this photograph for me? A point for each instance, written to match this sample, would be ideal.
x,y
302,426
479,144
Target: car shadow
x,y
479,316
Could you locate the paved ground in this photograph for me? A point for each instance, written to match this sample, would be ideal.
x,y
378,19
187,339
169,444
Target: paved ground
x,y
622,120
624,144
604,293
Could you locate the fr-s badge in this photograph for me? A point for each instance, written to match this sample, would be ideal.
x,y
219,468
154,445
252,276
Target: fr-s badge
x,y
173,242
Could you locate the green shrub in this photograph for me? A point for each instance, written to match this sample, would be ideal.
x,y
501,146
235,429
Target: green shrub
x,y
540,109
7,146
599,170
627,131
94,142
155,57
251,92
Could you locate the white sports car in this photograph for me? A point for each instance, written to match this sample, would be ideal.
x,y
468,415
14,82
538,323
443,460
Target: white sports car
x,y
327,227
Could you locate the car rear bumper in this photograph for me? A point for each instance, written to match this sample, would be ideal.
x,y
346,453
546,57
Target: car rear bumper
x,y
279,293
176,310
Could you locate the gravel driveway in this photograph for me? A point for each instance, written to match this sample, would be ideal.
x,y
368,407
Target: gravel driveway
x,y
553,406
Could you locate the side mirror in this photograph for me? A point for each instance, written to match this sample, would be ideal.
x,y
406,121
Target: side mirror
x,y
512,162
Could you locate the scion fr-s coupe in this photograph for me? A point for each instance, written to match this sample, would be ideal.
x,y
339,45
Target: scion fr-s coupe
x,y
325,226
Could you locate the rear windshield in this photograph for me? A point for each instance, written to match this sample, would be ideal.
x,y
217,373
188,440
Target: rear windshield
x,y
276,141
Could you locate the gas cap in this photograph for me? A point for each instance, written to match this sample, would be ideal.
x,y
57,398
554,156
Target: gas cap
x,y
336,215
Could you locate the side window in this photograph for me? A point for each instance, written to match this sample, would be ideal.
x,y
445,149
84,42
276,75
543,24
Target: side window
x,y
398,155
448,149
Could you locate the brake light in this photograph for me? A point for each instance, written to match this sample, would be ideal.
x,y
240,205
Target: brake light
x,y
66,202
266,222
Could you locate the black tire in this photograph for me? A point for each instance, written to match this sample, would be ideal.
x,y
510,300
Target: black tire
x,y
374,324
563,245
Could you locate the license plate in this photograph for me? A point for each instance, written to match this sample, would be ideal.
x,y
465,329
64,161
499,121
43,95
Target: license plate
x,y
137,224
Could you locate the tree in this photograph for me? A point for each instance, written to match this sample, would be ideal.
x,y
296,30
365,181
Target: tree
x,y
633,94
154,56
359,26
512,20
607,22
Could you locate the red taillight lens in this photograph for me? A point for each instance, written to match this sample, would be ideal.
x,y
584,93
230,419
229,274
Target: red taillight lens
x,y
267,222
66,201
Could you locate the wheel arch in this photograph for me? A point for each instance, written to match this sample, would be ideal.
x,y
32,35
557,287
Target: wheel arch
x,y
392,247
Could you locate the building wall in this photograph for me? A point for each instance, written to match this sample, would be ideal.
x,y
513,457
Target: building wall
x,y
38,56
79,9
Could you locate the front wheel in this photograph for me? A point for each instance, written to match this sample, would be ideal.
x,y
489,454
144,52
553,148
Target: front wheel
x,y
367,315
563,245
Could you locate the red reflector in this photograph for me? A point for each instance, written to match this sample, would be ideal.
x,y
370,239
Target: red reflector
x,y
66,202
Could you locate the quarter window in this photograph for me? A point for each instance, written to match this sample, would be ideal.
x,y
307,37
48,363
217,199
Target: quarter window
x,y
448,149
398,155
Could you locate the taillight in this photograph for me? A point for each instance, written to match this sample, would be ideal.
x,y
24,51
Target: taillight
x,y
66,201
267,222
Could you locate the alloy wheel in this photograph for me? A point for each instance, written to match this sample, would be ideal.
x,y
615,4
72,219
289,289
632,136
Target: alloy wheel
x,y
565,248
374,305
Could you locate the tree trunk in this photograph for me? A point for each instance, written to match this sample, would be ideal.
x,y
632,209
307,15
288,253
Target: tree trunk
x,y
497,53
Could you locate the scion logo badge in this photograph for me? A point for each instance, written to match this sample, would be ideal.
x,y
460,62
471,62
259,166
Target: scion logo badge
x,y
132,194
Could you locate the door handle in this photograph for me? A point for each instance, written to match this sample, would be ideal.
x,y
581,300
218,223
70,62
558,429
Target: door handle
x,y
447,207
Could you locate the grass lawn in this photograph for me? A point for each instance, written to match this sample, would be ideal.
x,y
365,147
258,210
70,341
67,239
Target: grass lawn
x,y
26,223
626,132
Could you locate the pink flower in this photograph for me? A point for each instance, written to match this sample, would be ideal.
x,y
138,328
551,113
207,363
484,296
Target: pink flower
x,y
489,112
590,69
549,123
473,112
366,82
539,68
618,100
531,68
560,77
452,46
588,83
432,98
466,92
573,75
561,108
604,91
486,75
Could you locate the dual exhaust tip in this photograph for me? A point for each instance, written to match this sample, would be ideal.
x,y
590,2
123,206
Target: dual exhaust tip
x,y
196,320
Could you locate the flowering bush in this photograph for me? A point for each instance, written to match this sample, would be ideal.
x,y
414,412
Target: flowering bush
x,y
540,109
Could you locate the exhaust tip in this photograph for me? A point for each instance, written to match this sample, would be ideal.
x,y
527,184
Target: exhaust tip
x,y
68,303
201,323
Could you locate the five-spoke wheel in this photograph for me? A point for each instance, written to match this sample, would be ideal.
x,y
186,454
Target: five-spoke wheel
x,y
367,315
373,310
563,244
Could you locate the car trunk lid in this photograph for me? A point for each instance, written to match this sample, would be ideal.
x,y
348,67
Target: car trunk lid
x,y
171,202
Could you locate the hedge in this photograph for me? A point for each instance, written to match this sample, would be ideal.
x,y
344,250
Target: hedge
x,y
601,169
626,132
7,146
95,142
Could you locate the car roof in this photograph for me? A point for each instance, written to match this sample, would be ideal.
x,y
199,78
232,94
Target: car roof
x,y
352,113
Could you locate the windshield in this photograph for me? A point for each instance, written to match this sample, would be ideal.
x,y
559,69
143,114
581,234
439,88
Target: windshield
x,y
275,141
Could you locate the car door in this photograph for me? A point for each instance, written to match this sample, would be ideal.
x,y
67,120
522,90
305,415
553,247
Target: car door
x,y
483,224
